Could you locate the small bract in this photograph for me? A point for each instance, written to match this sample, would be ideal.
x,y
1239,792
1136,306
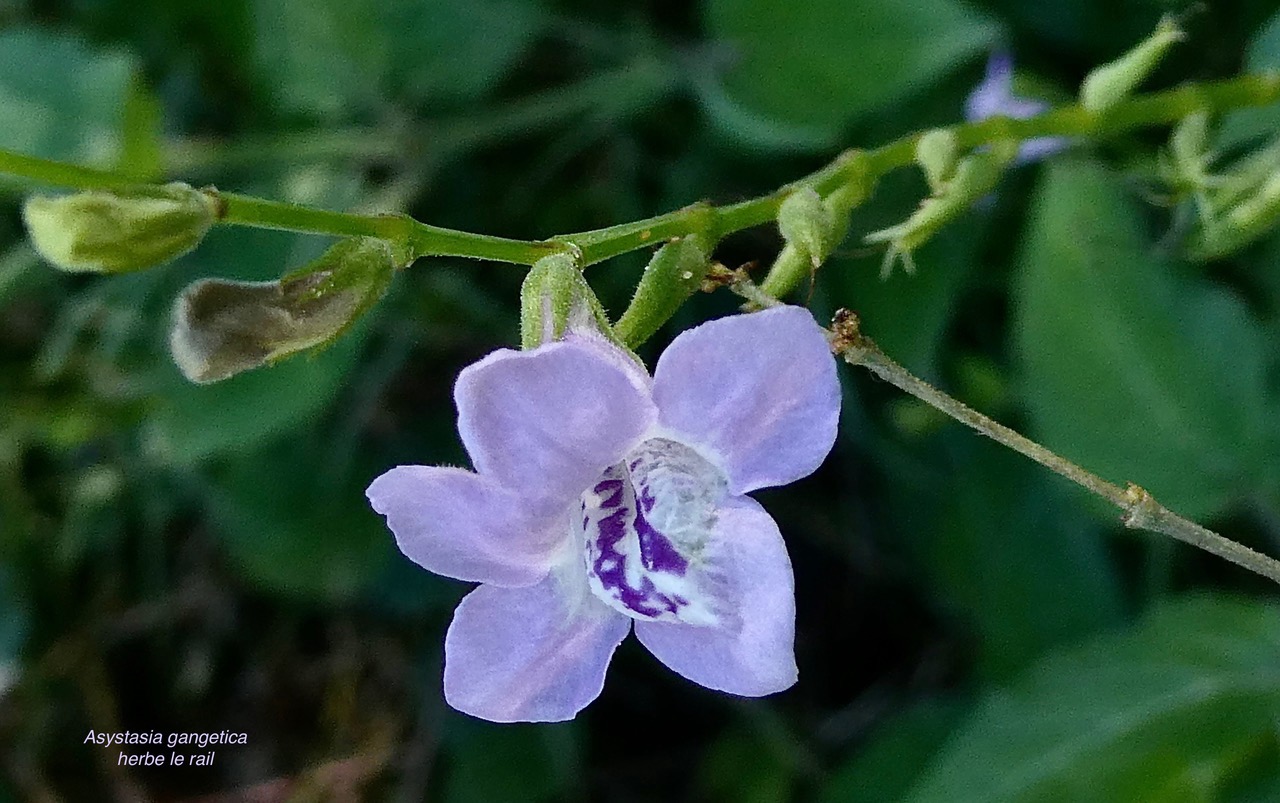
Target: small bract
x,y
603,498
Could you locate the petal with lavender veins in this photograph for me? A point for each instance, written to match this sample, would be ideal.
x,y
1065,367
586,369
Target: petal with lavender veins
x,y
461,525
535,654
758,390
757,656
994,97
544,423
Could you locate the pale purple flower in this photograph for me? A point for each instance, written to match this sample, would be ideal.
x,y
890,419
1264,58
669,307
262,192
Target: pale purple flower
x,y
994,98
603,498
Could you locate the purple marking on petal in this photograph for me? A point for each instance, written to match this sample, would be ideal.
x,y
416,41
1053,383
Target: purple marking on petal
x,y
644,522
610,568
657,553
613,501
607,486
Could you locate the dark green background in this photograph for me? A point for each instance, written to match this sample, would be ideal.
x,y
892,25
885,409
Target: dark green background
x,y
970,628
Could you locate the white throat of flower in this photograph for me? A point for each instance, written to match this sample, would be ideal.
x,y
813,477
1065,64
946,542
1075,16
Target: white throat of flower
x,y
647,528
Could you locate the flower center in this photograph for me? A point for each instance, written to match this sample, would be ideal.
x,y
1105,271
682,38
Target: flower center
x,y
647,527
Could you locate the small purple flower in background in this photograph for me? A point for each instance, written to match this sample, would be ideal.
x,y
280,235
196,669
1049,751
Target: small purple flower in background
x,y
602,497
994,98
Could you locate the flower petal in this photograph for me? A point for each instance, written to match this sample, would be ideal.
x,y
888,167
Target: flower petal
x,y
546,422
757,657
535,654
994,97
759,390
461,525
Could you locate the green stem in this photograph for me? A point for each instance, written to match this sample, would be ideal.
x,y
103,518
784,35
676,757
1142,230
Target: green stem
x,y
422,239
1160,108
1141,510
600,244
46,172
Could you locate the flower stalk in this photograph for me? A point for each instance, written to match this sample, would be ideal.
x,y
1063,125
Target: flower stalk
x,y
1141,510
597,245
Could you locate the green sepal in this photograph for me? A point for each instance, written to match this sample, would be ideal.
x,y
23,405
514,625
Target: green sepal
x,y
115,232
792,264
1239,205
1112,82
1189,142
807,225
1185,161
222,328
937,153
673,274
556,299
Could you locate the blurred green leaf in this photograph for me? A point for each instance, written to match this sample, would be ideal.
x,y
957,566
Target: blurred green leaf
x,y
1261,55
321,57
336,58
61,98
1263,789
884,768
1131,369
516,763
456,50
1166,711
822,64
192,422
738,767
14,621
295,533
1024,565
20,270
1263,277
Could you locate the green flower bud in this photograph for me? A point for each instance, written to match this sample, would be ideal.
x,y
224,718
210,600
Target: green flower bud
x,y
115,232
936,153
1185,166
222,328
555,300
1189,142
675,273
807,225
1111,83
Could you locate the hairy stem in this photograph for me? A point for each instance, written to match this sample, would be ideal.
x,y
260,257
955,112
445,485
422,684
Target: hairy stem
x,y
1141,510
600,244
